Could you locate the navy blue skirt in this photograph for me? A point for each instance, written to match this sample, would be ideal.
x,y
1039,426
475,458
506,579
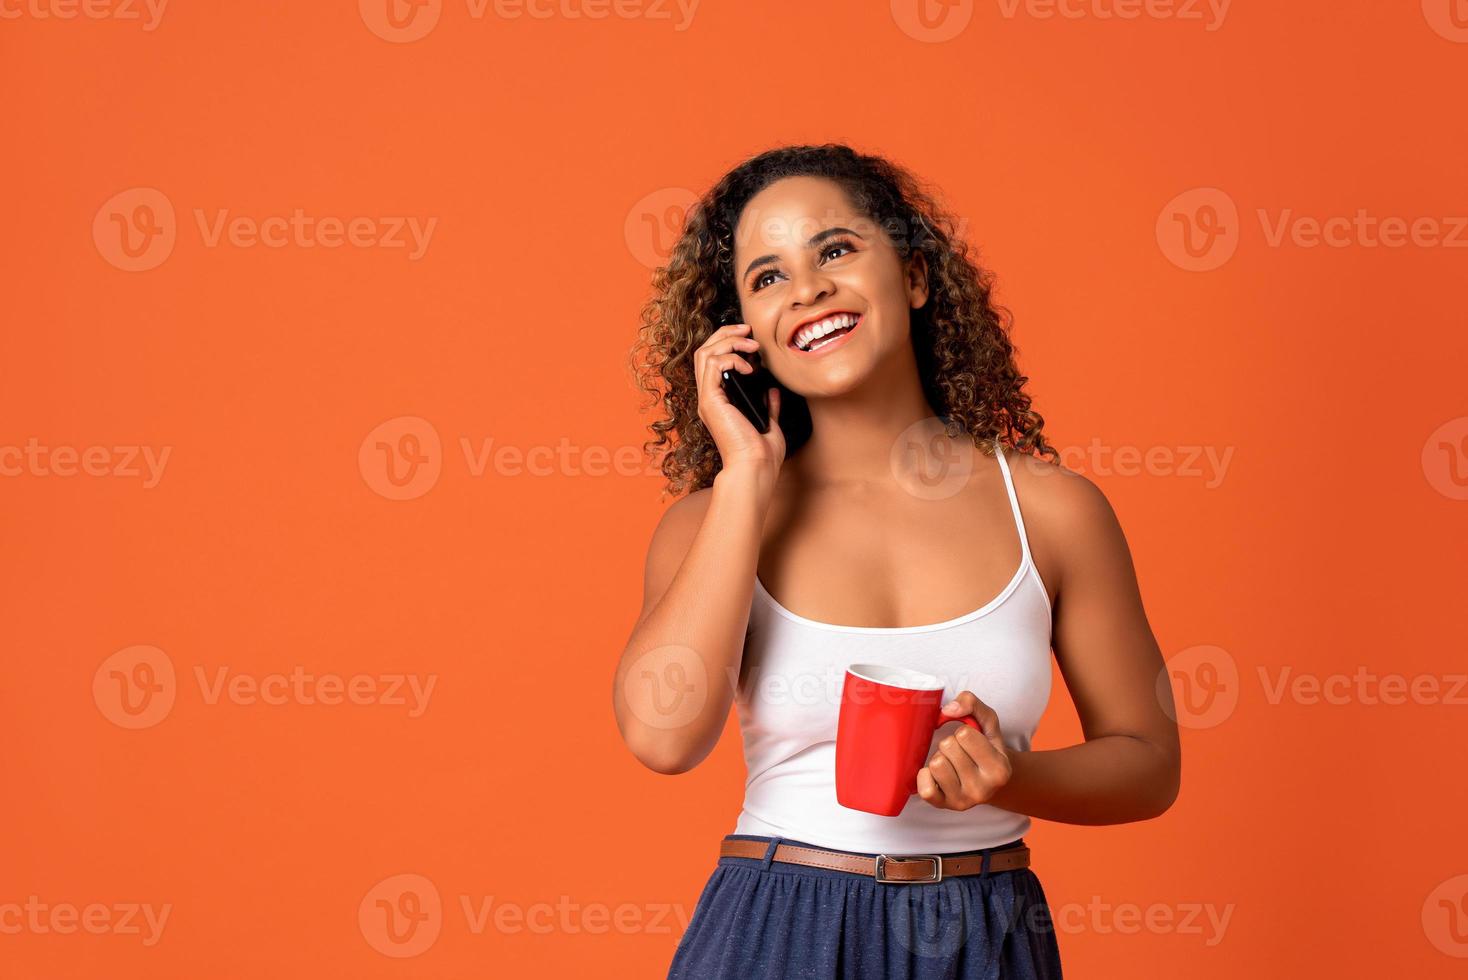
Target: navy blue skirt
x,y
758,919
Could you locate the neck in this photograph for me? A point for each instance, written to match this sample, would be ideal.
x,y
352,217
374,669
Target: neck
x,y
853,434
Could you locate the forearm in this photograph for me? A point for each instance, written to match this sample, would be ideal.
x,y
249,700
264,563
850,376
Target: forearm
x,y
676,678
1106,780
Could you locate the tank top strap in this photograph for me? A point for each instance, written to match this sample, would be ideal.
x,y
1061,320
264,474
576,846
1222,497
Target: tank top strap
x,y
1019,520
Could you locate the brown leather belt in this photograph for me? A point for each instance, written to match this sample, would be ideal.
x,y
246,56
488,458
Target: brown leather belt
x,y
889,869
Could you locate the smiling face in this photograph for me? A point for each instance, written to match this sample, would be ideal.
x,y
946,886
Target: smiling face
x,y
822,287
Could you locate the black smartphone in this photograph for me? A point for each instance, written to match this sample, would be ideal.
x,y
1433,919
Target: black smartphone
x,y
748,392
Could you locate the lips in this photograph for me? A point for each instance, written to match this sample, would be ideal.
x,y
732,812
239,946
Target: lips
x,y
824,332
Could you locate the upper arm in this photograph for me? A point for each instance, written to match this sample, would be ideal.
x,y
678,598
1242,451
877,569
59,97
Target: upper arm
x,y
670,542
1102,640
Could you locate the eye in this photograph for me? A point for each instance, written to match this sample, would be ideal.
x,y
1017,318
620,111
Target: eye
x,y
839,243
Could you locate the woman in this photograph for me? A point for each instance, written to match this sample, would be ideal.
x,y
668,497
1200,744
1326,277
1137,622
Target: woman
x,y
877,521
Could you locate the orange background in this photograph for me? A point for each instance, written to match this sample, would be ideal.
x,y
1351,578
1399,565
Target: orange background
x,y
548,149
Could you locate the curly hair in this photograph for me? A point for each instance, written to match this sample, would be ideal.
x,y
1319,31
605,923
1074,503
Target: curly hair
x,y
960,337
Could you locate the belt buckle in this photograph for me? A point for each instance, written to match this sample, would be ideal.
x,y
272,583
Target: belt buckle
x,y
882,860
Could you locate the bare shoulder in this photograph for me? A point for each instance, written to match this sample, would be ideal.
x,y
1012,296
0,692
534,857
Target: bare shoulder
x,y
680,522
1056,496
1070,523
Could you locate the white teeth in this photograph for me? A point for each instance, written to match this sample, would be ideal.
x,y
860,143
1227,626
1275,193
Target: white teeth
x,y
815,331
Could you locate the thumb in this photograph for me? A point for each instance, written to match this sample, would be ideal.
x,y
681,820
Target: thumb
x,y
774,406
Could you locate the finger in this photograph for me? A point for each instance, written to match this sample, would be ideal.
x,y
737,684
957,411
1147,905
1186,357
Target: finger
x,y
711,385
946,777
721,345
968,703
727,330
982,750
726,344
929,789
971,783
715,365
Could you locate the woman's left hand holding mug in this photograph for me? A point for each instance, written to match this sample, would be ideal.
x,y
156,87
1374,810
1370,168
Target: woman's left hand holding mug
x,y
968,767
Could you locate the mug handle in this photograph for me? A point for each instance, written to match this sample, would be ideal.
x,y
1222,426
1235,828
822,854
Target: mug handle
x,y
968,720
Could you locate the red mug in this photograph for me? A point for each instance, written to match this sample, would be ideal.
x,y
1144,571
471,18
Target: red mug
x,y
888,716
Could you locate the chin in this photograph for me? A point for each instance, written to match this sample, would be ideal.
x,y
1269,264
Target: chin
x,y
830,381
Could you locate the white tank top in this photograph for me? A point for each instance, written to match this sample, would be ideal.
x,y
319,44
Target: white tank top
x,y
790,699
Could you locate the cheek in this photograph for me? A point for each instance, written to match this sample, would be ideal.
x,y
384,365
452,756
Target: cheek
x,y
883,288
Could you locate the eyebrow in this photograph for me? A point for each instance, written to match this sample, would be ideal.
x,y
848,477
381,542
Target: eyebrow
x,y
815,240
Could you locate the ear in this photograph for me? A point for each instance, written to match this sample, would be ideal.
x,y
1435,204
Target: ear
x,y
917,279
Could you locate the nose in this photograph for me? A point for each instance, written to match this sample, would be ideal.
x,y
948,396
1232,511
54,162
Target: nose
x,y
809,286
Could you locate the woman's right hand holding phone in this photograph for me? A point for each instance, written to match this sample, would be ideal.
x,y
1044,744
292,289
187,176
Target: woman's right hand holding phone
x,y
741,446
